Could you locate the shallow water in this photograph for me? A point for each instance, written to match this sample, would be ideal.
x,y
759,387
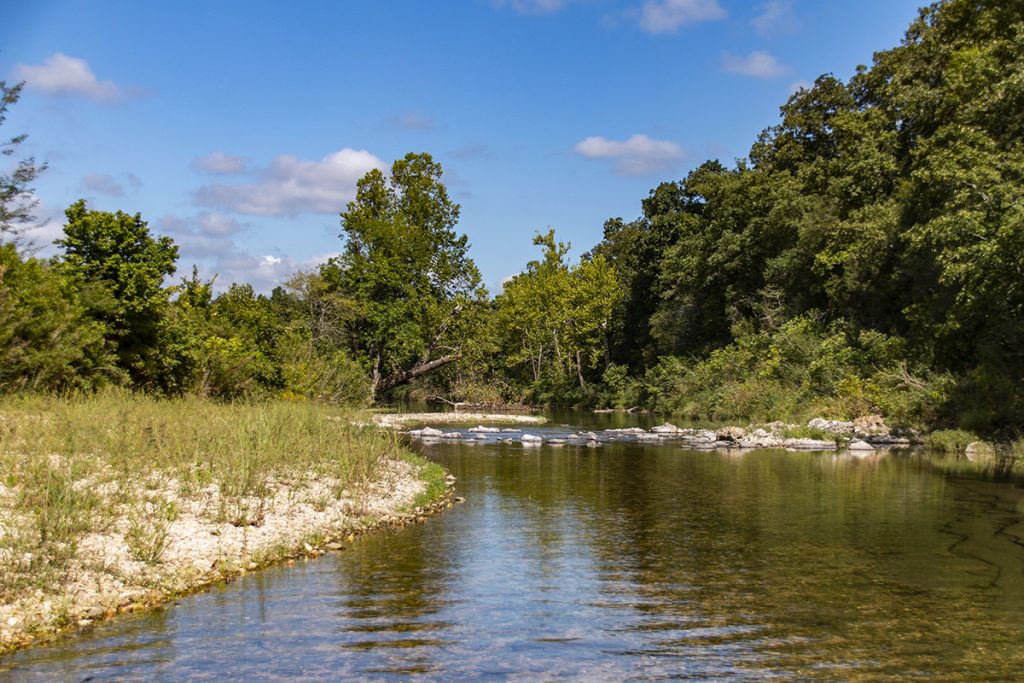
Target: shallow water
x,y
627,561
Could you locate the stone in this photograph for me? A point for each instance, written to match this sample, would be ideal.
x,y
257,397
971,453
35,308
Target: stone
x,y
480,429
452,435
809,445
730,433
430,431
870,425
666,428
831,426
858,445
531,438
980,451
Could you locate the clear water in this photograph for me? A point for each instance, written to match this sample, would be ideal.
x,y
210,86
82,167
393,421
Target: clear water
x,y
631,561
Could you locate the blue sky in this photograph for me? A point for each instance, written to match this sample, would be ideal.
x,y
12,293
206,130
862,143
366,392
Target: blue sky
x,y
240,128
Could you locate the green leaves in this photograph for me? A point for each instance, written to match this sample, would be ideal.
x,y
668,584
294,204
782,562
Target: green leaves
x,y
407,272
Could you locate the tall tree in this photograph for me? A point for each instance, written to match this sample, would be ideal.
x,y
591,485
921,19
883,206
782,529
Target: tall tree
x,y
407,272
119,268
16,199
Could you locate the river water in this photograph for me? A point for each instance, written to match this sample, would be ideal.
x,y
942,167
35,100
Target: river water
x,y
631,561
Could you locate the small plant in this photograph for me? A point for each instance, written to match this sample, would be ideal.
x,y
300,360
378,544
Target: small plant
x,y
148,528
950,441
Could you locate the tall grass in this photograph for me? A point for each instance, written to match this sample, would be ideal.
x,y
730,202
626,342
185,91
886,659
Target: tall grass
x,y
72,465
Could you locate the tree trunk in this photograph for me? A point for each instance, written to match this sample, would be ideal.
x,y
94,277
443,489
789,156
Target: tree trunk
x,y
579,371
405,376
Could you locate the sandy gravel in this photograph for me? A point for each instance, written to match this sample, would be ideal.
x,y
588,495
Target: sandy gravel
x,y
298,518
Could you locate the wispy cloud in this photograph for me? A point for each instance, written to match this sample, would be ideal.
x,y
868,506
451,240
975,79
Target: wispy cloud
x,y
290,186
775,18
758,64
640,155
108,185
532,6
220,163
668,16
413,120
64,75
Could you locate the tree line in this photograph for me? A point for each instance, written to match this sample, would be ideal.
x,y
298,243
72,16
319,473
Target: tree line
x,y
866,256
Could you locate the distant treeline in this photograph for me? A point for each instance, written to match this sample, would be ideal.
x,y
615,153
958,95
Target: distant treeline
x,y
867,256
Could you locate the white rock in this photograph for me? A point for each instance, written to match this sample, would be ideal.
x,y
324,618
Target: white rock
x,y
480,429
666,429
430,431
531,438
859,445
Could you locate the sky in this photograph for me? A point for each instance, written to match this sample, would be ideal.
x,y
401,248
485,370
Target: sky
x,y
240,128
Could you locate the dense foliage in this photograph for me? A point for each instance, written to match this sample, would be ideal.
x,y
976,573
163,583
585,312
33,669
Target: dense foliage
x,y
866,256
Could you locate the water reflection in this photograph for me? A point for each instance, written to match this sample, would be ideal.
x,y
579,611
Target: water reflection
x,y
629,561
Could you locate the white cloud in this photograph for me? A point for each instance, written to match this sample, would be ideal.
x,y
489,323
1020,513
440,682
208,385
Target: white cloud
x,y
291,186
637,156
533,6
220,163
63,75
667,16
413,120
217,224
776,17
104,184
758,64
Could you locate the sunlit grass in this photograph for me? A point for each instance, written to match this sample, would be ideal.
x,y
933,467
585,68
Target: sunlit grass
x,y
69,466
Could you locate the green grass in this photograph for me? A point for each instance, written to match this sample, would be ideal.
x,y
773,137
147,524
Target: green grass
x,y
69,466
951,441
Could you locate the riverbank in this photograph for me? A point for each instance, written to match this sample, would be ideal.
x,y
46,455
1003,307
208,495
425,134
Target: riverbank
x,y
402,420
120,503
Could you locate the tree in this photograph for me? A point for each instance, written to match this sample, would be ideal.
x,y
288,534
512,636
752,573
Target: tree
x,y
407,272
119,269
557,317
16,199
46,340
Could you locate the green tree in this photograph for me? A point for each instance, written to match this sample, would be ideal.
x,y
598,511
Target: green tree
x,y
47,342
119,269
407,272
16,199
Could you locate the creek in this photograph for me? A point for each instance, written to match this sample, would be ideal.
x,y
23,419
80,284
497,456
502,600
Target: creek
x,y
634,560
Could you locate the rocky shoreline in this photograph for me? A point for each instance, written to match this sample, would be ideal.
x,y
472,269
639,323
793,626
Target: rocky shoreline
x,y
863,435
298,520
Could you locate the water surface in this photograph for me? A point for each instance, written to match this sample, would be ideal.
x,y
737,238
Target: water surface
x,y
631,561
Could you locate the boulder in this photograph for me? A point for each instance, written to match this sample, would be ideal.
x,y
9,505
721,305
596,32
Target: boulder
x,y
870,425
980,451
480,429
531,438
858,445
430,432
831,426
666,429
730,433
452,435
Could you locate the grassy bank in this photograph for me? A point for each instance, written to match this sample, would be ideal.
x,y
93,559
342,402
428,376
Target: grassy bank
x,y
113,501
